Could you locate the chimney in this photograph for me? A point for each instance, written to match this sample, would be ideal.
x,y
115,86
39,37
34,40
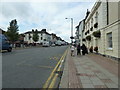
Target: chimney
x,y
43,30
87,13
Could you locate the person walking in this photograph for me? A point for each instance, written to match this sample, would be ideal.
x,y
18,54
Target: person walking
x,y
78,49
72,50
84,49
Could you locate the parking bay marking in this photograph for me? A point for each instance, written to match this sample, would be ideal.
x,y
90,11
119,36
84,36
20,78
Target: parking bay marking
x,y
39,66
54,58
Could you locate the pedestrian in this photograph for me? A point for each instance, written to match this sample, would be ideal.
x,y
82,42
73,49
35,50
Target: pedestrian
x,y
84,49
79,49
72,50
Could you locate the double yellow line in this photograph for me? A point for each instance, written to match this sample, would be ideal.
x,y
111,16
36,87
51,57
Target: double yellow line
x,y
52,80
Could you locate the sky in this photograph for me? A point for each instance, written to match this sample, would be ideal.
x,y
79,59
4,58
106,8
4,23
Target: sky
x,y
49,15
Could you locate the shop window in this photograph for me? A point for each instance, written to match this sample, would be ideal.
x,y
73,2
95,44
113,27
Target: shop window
x,y
109,40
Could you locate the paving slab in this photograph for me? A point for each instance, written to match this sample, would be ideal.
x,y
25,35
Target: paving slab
x,y
90,73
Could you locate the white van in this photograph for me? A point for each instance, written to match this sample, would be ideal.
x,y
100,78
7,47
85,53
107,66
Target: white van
x,y
46,44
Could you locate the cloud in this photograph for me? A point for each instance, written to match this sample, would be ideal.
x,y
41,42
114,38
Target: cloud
x,y
49,15
21,10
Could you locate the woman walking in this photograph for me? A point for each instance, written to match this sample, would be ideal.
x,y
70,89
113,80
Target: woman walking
x,y
72,50
78,50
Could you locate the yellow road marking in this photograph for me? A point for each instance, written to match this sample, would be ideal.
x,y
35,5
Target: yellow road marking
x,y
45,66
52,74
54,58
56,75
53,81
36,66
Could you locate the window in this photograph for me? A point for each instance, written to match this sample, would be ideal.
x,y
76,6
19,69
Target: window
x,y
92,22
29,36
96,17
44,39
109,40
41,38
88,25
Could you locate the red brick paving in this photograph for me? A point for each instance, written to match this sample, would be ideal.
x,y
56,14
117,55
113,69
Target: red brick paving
x,y
74,81
106,63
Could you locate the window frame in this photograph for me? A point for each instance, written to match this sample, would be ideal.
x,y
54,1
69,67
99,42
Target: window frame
x,y
109,41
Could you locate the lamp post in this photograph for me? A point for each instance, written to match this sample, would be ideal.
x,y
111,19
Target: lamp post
x,y
71,29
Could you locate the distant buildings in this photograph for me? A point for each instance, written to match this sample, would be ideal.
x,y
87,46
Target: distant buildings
x,y
27,38
100,29
43,36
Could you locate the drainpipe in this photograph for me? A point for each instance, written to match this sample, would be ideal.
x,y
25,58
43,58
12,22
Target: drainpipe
x,y
107,12
107,24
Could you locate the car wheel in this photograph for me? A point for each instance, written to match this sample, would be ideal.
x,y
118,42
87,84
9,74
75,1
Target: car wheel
x,y
10,49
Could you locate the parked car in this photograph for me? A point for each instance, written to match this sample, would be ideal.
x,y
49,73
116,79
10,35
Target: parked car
x,y
58,43
4,43
53,45
46,44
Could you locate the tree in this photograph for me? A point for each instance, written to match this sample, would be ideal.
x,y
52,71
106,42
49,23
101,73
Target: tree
x,y
12,31
35,35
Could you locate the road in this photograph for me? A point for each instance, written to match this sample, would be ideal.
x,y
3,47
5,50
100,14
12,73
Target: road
x,y
29,68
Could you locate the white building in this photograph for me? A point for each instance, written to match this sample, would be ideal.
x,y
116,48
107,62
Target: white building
x,y
102,28
43,36
80,32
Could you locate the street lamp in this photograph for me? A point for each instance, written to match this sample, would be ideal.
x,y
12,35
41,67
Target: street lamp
x,y
71,29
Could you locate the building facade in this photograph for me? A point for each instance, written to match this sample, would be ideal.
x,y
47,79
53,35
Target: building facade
x,y
102,29
43,36
80,32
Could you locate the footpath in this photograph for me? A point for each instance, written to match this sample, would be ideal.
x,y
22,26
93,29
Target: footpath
x,y
89,71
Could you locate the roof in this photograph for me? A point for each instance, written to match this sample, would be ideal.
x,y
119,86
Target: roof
x,y
42,31
2,31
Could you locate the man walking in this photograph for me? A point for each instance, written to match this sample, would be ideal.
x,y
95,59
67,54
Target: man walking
x,y
84,49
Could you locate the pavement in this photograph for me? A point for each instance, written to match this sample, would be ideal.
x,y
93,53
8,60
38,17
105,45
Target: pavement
x,y
89,71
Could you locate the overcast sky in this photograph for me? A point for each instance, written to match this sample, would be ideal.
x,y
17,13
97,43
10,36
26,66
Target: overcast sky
x,y
44,15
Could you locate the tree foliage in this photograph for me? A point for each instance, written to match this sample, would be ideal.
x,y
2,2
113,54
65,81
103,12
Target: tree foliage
x,y
97,34
12,31
35,35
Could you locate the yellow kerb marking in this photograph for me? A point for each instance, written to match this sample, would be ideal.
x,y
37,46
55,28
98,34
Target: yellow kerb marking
x,y
52,74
